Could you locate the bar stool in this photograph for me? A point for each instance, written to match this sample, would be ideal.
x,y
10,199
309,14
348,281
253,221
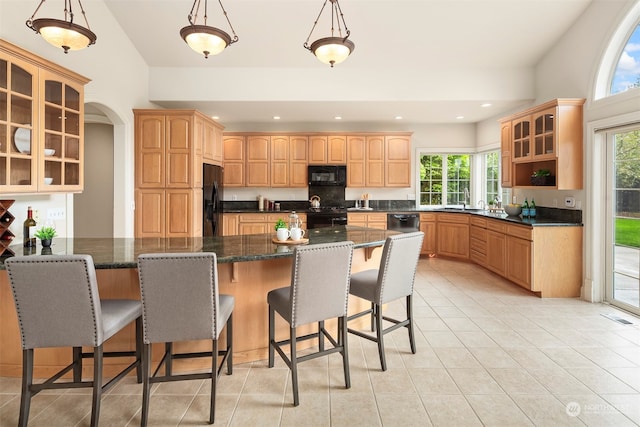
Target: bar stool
x,y
392,280
319,291
58,305
181,302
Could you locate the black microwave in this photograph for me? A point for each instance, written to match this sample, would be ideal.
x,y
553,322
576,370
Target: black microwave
x,y
328,175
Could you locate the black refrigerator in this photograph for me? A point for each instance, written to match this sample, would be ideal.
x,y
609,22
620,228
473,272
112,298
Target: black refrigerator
x,y
212,200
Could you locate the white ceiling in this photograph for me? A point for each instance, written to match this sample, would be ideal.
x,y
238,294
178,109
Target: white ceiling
x,y
429,61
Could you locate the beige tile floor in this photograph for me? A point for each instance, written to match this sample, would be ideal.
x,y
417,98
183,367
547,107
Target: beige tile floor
x,y
488,354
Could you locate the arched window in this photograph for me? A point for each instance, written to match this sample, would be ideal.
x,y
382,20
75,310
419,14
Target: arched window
x,y
627,72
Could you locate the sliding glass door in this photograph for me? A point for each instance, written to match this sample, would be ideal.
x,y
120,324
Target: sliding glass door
x,y
623,218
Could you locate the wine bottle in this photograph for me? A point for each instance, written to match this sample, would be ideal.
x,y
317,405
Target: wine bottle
x,y
525,208
532,209
29,230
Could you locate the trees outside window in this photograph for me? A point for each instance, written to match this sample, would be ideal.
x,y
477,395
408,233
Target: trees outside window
x,y
445,179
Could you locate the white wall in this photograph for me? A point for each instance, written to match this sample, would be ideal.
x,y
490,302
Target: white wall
x,y
119,82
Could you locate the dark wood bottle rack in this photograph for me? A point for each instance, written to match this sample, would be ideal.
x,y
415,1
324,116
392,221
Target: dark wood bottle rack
x,y
6,236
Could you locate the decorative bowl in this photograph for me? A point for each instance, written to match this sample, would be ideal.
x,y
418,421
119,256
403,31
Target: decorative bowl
x,y
49,152
513,209
48,181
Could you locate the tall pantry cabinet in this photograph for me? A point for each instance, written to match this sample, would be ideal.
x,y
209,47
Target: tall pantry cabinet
x,y
170,149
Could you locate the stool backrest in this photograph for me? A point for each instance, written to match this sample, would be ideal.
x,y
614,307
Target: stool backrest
x,y
398,266
320,282
57,300
179,296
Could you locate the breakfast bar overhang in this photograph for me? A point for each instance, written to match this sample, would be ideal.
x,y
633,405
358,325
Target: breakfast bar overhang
x,y
249,266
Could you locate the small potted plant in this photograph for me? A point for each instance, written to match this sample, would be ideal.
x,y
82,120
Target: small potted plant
x,y
491,204
282,231
543,177
280,224
46,234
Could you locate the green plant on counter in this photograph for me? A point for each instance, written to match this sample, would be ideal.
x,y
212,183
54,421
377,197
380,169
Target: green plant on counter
x,y
542,172
46,233
280,224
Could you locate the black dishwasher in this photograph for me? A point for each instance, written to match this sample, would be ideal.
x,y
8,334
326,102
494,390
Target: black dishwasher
x,y
403,222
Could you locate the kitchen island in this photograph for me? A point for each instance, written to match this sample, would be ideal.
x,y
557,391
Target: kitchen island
x,y
249,266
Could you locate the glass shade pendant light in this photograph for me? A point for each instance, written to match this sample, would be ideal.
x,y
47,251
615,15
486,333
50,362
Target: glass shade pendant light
x,y
336,48
65,33
203,38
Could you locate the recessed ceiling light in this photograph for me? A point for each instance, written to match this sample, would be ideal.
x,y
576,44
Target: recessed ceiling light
x,y
276,117
485,105
215,117
398,117
338,117
460,117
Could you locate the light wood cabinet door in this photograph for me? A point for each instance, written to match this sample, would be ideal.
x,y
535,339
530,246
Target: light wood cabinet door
x,y
179,220
229,224
234,161
519,261
258,155
506,166
298,161
428,227
337,150
356,218
375,161
398,161
356,161
150,213
318,149
280,151
150,149
212,143
453,239
178,150
521,139
496,252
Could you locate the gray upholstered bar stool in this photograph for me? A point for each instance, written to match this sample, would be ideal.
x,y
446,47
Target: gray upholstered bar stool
x,y
181,302
392,280
58,305
319,291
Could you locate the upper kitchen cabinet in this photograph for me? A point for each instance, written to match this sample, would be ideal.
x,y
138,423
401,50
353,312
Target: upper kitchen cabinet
x,y
397,161
212,143
548,137
258,149
288,161
233,160
366,161
327,150
41,124
506,166
171,146
298,160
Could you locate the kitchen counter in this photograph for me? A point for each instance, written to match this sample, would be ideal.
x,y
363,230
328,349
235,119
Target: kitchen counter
x,y
249,267
538,221
122,253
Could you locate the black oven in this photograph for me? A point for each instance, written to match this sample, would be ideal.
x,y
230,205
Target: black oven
x,y
328,175
326,217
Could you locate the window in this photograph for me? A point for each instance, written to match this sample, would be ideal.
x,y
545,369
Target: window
x,y
492,175
445,179
627,72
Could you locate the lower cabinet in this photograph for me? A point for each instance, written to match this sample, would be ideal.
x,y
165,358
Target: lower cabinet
x,y
168,213
428,227
478,240
519,261
234,224
453,235
371,220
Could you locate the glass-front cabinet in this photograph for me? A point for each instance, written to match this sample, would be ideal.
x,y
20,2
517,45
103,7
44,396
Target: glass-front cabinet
x,y
41,124
18,116
543,134
521,139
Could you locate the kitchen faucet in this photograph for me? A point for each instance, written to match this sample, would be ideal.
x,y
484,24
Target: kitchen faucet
x,y
466,197
482,204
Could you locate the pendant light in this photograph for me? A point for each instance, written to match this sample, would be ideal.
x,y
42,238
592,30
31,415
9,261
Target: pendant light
x,y
65,33
203,38
336,48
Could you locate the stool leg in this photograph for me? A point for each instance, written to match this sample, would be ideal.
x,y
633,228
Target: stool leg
x,y
139,349
342,333
294,366
230,345
321,335
380,335
27,381
146,366
373,317
97,385
77,364
214,381
168,367
271,335
412,340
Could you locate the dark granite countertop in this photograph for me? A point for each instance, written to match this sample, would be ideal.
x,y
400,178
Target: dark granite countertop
x,y
123,252
547,217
